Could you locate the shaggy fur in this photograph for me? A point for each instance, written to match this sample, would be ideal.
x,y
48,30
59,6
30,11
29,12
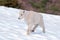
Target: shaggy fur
x,y
32,19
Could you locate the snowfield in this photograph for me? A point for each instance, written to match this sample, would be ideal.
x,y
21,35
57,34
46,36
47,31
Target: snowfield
x,y
13,29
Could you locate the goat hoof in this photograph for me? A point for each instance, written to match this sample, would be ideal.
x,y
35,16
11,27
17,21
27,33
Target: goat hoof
x,y
32,31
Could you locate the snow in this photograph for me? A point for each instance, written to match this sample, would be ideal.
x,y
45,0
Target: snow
x,y
13,29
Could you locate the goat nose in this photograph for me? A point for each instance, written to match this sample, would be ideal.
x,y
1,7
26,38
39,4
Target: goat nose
x,y
19,18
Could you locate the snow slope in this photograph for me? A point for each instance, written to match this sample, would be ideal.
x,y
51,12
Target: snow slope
x,y
13,29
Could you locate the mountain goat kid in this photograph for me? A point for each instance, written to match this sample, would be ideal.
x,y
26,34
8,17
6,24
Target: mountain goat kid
x,y
32,19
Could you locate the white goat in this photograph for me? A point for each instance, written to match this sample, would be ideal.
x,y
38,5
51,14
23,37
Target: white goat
x,y
32,19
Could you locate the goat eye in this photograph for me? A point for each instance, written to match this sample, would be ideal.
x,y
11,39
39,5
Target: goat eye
x,y
21,14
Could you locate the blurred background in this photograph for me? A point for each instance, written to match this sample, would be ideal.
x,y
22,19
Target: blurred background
x,y
44,6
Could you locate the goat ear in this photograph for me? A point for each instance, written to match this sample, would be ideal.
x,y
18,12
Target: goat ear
x,y
24,11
